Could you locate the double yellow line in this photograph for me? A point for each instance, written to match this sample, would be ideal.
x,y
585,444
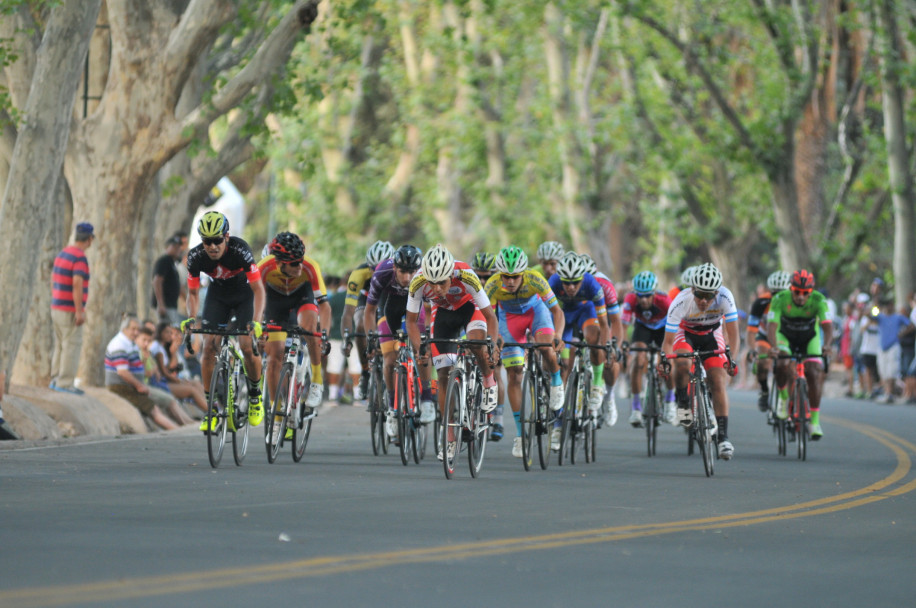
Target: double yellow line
x,y
124,589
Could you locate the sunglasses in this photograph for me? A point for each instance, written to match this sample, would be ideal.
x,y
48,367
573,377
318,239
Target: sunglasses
x,y
213,242
439,283
511,277
801,292
705,295
644,295
576,282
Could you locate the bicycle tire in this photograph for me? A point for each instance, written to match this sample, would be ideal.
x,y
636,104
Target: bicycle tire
x,y
418,431
477,440
451,422
801,414
216,437
703,427
651,416
545,419
278,412
374,417
303,429
528,417
402,403
569,414
239,420
585,421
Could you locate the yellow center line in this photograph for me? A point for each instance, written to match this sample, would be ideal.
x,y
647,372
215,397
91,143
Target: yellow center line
x,y
131,588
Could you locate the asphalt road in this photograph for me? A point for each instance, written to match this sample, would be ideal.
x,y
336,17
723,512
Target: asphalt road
x,y
145,521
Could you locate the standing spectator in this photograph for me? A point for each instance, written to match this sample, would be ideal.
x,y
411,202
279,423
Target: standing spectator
x,y
868,351
849,328
125,375
890,324
69,292
908,353
166,282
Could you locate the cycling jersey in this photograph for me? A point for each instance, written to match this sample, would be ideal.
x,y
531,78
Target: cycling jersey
x,y
358,285
226,271
756,318
684,314
589,292
653,317
789,317
534,287
464,287
284,285
610,294
383,283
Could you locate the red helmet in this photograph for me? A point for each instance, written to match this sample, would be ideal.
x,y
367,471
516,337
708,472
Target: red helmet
x,y
802,279
287,247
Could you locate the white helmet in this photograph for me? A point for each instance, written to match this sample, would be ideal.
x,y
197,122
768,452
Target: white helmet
x,y
550,250
378,252
778,281
571,267
590,266
706,277
437,264
687,276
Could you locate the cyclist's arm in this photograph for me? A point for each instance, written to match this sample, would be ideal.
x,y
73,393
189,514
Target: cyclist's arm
x,y
324,315
733,336
193,301
260,297
412,321
369,317
616,323
492,323
828,336
559,320
346,320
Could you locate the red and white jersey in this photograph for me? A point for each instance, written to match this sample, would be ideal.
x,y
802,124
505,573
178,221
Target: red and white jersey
x,y
685,314
464,287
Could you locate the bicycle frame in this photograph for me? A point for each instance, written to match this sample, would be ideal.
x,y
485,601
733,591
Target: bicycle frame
x,y
411,434
578,420
799,405
535,415
654,395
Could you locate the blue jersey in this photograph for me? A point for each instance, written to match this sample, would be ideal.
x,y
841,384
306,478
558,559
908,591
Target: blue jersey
x,y
590,291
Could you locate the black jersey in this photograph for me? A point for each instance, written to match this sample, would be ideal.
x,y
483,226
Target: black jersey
x,y
234,270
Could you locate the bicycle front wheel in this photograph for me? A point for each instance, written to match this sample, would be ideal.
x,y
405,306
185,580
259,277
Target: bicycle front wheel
x,y
545,420
240,420
801,416
216,413
567,427
651,415
417,431
703,426
284,391
477,441
451,424
528,417
403,405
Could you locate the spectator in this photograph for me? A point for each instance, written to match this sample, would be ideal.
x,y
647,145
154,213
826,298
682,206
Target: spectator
x,y
890,324
125,376
868,351
338,365
908,368
849,329
68,311
168,365
167,283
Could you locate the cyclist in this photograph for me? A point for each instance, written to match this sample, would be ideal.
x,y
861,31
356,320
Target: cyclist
x,y
684,283
459,305
646,309
582,301
357,290
230,264
525,303
792,324
549,254
703,317
295,292
612,369
757,333
388,293
483,266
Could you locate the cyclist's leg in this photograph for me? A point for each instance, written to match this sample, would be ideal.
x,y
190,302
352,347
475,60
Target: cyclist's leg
x,y
784,372
307,318
815,376
512,328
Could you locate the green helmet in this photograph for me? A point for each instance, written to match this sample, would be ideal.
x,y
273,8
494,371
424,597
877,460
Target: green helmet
x,y
212,225
483,261
511,260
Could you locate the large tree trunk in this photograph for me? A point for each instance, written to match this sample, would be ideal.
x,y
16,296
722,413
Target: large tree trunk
x,y
37,159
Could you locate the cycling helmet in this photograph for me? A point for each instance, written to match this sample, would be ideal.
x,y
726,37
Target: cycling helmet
x,y
571,268
687,276
778,281
511,260
287,247
550,250
213,224
706,277
438,264
645,282
802,279
590,266
378,252
483,262
407,258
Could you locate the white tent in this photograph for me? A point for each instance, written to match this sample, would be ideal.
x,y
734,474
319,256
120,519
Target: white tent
x,y
227,200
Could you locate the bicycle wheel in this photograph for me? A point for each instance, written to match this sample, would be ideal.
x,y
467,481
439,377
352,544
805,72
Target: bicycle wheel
x,y
282,394
451,424
374,417
403,404
528,417
651,415
545,420
567,432
480,430
303,428
703,426
801,415
585,421
239,418
216,413
417,431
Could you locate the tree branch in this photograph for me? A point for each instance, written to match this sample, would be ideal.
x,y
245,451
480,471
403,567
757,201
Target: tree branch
x,y
25,38
230,52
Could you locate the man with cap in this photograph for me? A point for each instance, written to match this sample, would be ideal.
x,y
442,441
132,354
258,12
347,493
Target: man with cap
x,y
69,292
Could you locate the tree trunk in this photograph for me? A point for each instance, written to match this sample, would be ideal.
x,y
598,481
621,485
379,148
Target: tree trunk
x,y
37,159
893,104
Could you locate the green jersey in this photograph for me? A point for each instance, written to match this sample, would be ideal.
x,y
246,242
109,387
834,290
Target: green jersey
x,y
789,317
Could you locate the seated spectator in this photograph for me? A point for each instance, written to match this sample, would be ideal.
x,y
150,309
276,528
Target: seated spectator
x,y
168,362
124,376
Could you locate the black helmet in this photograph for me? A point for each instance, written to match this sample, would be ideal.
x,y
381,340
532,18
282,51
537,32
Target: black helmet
x,y
408,258
287,247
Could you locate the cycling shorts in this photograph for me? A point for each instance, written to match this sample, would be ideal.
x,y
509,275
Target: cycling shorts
x,y
450,324
807,342
222,303
583,316
514,328
284,309
393,320
715,340
648,336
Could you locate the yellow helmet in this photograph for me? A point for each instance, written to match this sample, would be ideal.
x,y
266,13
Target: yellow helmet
x,y
212,225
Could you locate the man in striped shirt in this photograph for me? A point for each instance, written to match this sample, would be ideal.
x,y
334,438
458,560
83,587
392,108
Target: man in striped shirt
x,y
69,292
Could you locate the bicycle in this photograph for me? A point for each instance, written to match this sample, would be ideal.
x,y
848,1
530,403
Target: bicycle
x,y
704,427
653,412
535,415
377,396
577,419
412,434
227,406
290,392
780,425
464,420
799,408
